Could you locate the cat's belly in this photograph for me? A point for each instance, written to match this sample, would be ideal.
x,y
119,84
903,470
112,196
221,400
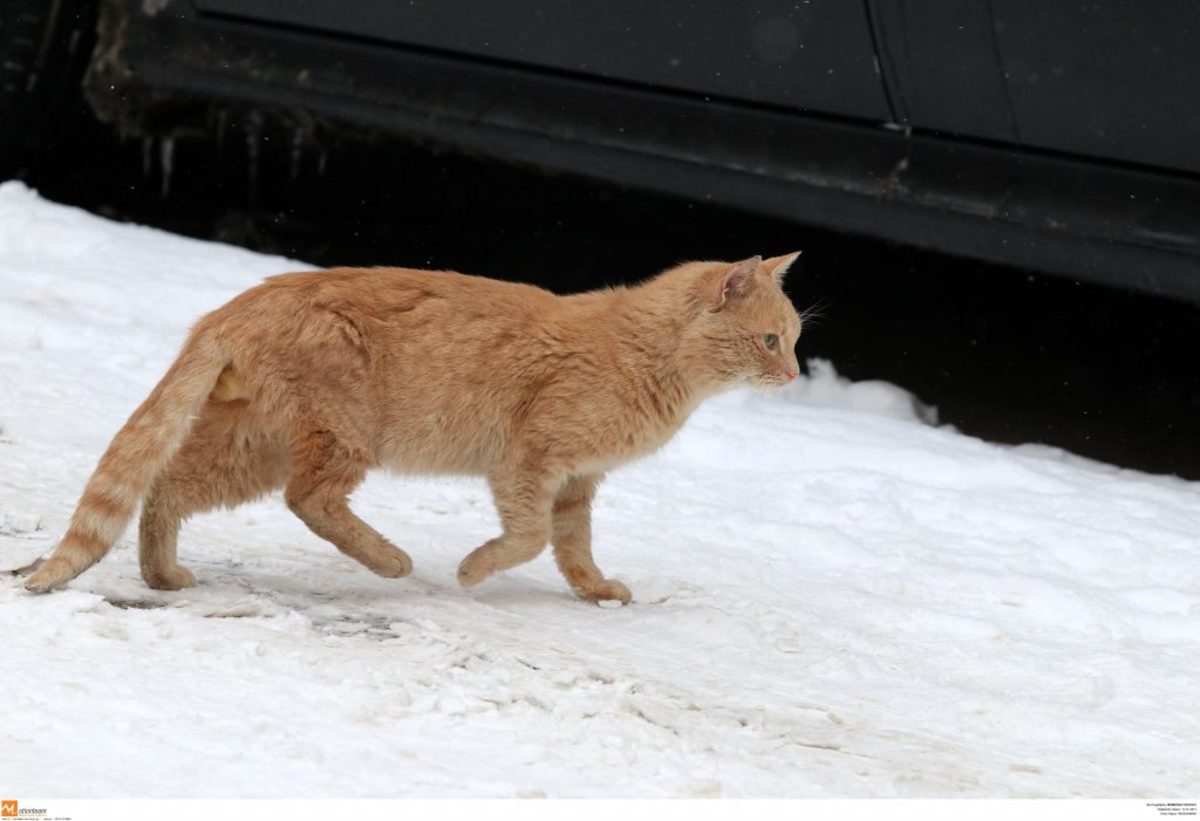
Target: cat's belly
x,y
600,454
434,457
434,446
456,432
440,451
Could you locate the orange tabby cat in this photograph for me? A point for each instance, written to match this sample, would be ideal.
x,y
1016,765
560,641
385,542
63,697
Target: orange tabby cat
x,y
309,380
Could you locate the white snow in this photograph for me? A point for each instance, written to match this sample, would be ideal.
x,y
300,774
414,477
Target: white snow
x,y
831,598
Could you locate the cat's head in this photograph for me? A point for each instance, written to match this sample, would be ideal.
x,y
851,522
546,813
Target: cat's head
x,y
746,327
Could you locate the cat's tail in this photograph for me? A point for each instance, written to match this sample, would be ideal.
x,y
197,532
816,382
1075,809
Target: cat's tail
x,y
141,449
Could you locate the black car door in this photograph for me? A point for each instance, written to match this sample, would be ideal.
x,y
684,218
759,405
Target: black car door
x,y
1111,79
801,55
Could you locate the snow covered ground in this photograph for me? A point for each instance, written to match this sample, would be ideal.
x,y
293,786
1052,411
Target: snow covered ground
x,y
832,598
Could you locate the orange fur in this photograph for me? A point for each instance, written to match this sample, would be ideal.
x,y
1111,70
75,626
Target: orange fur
x,y
310,380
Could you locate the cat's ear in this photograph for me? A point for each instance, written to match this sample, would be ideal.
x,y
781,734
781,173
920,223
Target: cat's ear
x,y
735,280
778,266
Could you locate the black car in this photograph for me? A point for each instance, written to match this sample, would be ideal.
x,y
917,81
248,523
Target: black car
x,y
1059,136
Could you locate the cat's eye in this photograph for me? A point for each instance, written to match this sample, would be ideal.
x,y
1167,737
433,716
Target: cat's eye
x,y
770,340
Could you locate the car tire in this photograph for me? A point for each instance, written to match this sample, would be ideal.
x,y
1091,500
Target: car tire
x,y
45,46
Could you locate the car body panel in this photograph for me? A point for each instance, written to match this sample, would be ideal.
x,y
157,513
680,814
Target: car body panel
x,y
811,55
1110,79
178,70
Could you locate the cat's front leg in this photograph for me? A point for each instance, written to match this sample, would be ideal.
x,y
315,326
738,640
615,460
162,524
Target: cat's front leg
x,y
524,500
572,538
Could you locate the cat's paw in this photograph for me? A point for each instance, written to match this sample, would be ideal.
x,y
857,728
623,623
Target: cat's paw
x,y
169,578
473,570
393,564
480,563
606,591
47,575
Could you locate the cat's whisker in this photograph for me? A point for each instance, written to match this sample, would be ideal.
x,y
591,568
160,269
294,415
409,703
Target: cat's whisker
x,y
814,314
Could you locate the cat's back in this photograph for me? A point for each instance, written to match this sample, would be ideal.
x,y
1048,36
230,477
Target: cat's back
x,y
388,306
383,289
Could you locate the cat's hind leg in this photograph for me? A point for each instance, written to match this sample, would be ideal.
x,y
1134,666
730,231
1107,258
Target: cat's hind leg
x,y
223,463
524,500
572,539
325,470
158,533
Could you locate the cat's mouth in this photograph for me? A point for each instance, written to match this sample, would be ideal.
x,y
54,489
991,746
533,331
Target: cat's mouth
x,y
772,380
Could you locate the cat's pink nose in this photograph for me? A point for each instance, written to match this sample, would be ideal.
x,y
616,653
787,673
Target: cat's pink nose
x,y
792,375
